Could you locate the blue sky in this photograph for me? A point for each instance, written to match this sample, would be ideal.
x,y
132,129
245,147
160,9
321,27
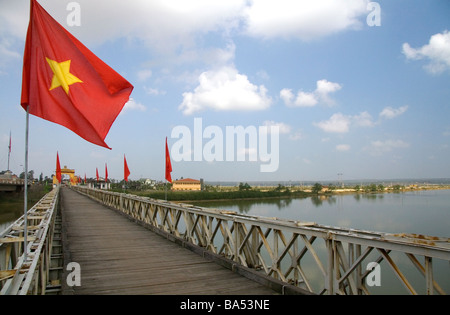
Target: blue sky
x,y
365,101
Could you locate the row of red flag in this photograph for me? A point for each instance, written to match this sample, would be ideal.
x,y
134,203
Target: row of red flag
x,y
126,170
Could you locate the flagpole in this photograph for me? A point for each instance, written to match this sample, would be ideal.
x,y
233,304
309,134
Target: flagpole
x,y
25,199
9,147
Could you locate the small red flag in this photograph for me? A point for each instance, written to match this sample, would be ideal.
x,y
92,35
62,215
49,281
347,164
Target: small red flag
x,y
58,168
65,83
96,173
168,165
84,178
106,173
126,170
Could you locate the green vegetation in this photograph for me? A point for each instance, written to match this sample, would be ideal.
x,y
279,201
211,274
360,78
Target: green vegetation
x,y
15,200
243,190
317,188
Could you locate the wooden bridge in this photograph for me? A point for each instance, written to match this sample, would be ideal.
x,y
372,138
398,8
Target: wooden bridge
x,y
118,256
124,244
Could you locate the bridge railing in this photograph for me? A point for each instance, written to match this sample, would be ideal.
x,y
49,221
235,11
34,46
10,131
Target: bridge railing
x,y
321,259
30,275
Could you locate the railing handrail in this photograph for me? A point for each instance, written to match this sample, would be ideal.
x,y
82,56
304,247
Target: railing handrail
x,y
244,240
28,275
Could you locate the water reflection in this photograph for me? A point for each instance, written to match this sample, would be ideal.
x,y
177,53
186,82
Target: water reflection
x,y
368,197
245,206
426,212
319,200
9,212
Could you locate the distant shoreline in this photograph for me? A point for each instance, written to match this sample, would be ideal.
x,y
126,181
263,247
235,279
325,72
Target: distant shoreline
x,y
269,193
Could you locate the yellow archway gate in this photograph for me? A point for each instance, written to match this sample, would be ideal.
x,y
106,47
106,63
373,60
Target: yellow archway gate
x,y
67,171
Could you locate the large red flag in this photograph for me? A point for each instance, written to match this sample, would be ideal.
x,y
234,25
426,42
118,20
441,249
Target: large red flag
x,y
58,168
65,83
168,165
126,170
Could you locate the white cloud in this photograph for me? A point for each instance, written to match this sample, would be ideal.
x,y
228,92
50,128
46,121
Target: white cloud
x,y
303,19
324,88
364,119
338,123
7,54
296,136
343,147
144,74
6,51
225,89
390,113
283,128
152,91
379,147
14,18
133,105
166,24
310,99
437,51
175,22
175,31
303,99
173,28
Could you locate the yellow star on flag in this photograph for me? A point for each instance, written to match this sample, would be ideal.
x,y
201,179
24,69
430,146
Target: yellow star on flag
x,y
61,75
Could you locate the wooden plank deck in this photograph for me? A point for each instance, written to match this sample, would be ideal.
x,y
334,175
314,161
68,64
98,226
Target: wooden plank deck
x,y
118,256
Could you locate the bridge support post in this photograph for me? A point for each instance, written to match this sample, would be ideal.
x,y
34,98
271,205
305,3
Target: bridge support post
x,y
429,275
329,279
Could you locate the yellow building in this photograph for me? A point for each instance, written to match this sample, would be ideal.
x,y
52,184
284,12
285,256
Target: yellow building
x,y
186,184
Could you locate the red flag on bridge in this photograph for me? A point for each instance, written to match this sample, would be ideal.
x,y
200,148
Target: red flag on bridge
x,y
65,83
106,173
58,168
168,165
126,170
96,173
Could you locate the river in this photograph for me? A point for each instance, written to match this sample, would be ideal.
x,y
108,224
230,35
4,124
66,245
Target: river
x,y
422,212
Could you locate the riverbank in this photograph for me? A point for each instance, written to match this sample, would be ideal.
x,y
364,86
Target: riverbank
x,y
232,193
184,196
11,204
10,201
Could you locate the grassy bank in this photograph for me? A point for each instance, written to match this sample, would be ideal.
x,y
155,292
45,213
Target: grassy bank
x,y
15,200
219,195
